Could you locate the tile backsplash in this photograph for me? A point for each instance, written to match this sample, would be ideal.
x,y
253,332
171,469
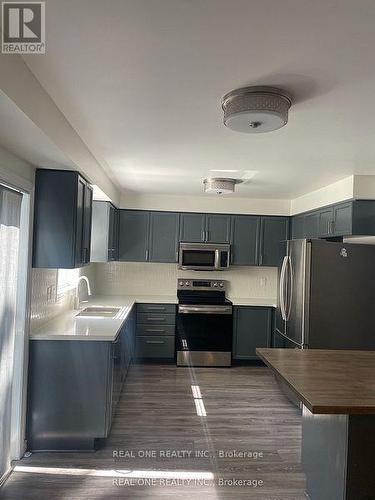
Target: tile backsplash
x,y
133,278
126,278
47,300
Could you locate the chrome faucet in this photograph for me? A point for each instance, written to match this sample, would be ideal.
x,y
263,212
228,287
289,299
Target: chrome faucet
x,y
77,302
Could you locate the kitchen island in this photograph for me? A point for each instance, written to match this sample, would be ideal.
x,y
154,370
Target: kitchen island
x,y
337,392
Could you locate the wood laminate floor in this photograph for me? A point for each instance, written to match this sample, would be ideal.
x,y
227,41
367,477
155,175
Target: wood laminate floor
x,y
159,447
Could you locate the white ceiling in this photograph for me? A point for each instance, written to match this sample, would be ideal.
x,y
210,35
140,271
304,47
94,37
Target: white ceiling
x,y
141,82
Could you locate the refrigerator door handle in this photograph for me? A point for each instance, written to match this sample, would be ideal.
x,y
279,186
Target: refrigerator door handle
x,y
290,287
282,288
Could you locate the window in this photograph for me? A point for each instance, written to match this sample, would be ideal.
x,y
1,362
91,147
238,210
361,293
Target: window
x,y
67,280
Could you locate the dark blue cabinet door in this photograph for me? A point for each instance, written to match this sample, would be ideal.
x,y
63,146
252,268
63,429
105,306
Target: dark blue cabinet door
x,y
343,218
163,237
133,235
298,227
192,227
217,228
326,222
312,225
245,240
274,230
62,219
252,329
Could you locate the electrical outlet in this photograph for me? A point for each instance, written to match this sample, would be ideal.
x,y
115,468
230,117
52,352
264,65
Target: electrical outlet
x,y
263,281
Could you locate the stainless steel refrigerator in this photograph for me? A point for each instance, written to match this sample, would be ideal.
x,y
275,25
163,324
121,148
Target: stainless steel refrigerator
x,y
326,296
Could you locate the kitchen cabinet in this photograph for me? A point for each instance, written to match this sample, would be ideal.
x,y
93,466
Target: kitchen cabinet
x,y
217,228
342,219
348,218
273,231
74,387
163,239
205,228
104,232
252,328
134,235
148,236
62,219
298,227
192,227
156,331
326,222
245,240
311,225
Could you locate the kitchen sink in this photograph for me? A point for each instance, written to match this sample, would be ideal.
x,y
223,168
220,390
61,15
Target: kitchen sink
x,y
99,312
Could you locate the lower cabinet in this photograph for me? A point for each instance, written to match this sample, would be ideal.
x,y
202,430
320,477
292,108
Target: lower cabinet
x,y
73,389
252,328
156,331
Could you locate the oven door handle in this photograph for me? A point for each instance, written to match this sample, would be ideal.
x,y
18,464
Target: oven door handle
x,y
204,309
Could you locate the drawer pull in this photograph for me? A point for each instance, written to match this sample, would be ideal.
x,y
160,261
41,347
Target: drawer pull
x,y
155,342
156,308
156,318
155,330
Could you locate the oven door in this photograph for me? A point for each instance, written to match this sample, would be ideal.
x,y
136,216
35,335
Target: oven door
x,y
204,335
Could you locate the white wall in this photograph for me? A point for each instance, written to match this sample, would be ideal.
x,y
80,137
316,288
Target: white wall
x,y
14,170
338,191
21,86
213,204
136,278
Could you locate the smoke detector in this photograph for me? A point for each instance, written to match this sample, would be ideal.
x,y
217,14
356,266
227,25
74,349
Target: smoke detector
x,y
256,109
220,185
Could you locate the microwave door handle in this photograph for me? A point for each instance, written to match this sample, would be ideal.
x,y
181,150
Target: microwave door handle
x,y
217,259
282,288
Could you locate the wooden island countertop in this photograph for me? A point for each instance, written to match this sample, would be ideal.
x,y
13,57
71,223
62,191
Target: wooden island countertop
x,y
327,381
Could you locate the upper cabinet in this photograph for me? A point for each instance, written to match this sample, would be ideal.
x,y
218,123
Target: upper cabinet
x,y
245,240
273,231
62,219
148,236
217,228
205,228
343,219
133,235
163,239
104,232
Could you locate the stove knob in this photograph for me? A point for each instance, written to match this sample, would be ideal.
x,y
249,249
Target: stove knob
x,y
181,283
221,285
215,284
187,283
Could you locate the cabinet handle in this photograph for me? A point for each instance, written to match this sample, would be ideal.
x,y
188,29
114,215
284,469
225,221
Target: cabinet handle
x,y
156,308
202,235
207,235
155,318
260,259
147,254
155,330
155,342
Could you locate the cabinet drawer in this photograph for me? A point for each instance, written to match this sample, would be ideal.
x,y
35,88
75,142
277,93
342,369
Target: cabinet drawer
x,y
152,346
155,330
156,319
156,308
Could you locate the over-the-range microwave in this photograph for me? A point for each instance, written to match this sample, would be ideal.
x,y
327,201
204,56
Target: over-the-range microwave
x,y
204,256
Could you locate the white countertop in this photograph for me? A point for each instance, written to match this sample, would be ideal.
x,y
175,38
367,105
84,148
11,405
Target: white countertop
x,y
249,301
68,326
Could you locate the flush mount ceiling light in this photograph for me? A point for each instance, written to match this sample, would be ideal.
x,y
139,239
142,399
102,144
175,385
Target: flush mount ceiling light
x,y
256,109
220,185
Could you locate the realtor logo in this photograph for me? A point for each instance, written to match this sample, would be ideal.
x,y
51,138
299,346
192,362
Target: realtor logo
x,y
23,28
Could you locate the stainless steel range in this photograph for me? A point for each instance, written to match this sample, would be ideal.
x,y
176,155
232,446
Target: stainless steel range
x,y
204,323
